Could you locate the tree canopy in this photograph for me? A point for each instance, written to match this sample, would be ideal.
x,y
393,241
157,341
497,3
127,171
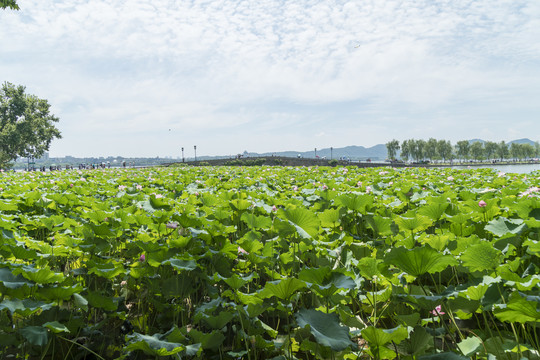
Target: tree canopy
x,y
12,4
26,125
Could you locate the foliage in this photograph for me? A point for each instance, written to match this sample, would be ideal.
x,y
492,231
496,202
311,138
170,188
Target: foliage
x,y
269,262
26,126
11,4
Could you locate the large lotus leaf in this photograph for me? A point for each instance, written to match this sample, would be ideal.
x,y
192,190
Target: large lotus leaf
x,y
218,321
240,204
24,307
210,341
415,224
12,281
40,276
482,256
354,202
434,211
152,345
315,276
330,217
56,327
60,292
36,335
470,345
325,328
256,222
95,299
518,309
181,265
380,225
305,221
282,289
419,340
503,226
419,260
108,270
369,267
379,337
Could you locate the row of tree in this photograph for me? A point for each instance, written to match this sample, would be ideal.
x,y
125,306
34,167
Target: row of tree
x,y
433,149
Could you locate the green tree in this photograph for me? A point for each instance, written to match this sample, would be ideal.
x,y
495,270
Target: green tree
x,y
463,149
477,150
12,4
536,149
490,148
502,150
444,148
26,126
392,147
430,149
405,150
515,151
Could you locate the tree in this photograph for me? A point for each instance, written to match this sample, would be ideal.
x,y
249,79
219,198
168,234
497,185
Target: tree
x,y
444,148
12,4
430,149
463,149
502,150
392,147
490,148
477,150
26,126
405,150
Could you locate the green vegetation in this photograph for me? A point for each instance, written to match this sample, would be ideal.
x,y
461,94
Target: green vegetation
x,y
269,262
421,150
11,4
26,126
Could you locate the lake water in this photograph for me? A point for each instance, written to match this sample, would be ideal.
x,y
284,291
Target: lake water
x,y
517,169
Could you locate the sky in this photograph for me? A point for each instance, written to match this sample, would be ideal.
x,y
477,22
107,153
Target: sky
x,y
141,78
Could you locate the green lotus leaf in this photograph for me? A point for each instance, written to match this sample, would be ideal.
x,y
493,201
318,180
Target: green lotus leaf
x,y
95,299
256,222
358,203
218,321
418,342
36,335
380,225
282,289
108,270
209,341
152,345
415,224
305,221
482,256
12,281
181,265
470,345
503,226
518,309
41,276
419,260
60,292
325,328
330,218
24,307
443,356
433,211
379,337
55,327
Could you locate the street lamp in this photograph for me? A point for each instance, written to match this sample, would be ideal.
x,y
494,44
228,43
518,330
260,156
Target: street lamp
x,y
331,152
182,154
195,148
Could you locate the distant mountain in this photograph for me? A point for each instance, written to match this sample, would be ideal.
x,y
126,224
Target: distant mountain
x,y
354,152
377,152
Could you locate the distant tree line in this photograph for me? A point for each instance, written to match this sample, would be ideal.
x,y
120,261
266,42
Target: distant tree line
x,y
433,149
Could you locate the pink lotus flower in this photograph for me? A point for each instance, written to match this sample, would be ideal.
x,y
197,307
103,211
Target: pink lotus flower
x,y
359,184
172,225
70,185
274,208
138,187
368,189
450,178
437,311
295,188
325,187
142,258
121,187
482,203
242,251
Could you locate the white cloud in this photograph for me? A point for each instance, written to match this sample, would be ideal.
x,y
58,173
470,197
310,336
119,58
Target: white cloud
x,y
231,66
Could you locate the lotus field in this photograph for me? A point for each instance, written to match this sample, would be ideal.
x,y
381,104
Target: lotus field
x,y
269,263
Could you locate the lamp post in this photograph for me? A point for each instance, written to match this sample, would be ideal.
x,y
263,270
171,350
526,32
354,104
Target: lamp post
x,y
195,148
182,154
315,153
331,152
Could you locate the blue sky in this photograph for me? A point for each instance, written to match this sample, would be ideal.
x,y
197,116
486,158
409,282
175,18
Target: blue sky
x,y
145,78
